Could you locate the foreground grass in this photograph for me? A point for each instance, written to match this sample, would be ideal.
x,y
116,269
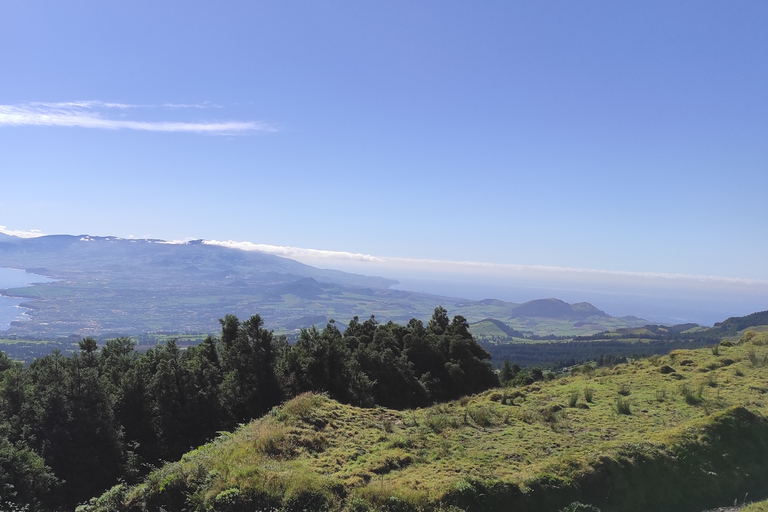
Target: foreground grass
x,y
761,506
667,433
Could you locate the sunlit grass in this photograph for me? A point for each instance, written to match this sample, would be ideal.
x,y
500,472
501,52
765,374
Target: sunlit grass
x,y
538,435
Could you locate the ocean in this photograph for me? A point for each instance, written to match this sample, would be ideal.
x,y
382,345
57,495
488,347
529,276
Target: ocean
x,y
9,306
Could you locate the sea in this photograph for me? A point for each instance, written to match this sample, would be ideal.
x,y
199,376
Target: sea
x,y
9,306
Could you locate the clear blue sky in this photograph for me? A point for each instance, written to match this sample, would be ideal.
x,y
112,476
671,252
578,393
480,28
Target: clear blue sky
x,y
621,136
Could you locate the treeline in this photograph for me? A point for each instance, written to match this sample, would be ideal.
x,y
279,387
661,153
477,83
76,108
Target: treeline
x,y
71,427
559,354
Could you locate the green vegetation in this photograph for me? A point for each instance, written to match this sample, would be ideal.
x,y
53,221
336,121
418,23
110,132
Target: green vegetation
x,y
385,417
108,287
503,449
760,506
70,427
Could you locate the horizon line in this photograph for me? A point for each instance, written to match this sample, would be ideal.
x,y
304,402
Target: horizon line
x,y
321,255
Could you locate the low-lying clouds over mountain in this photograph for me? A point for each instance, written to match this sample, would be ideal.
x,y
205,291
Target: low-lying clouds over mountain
x,y
660,296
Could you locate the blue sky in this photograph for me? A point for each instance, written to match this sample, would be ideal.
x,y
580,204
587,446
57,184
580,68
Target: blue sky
x,y
612,136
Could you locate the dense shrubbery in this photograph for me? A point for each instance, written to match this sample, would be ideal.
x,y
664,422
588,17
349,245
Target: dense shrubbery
x,y
70,427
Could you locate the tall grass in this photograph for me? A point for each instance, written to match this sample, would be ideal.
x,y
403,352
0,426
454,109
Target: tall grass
x,y
623,406
691,396
573,398
755,359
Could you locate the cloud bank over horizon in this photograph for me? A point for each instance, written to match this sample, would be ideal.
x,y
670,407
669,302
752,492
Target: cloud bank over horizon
x,y
100,115
657,296
346,259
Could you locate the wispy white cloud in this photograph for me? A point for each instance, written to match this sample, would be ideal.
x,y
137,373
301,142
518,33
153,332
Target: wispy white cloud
x,y
296,252
362,262
32,233
96,114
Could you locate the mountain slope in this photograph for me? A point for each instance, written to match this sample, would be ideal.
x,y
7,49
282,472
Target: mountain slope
x,y
645,436
114,286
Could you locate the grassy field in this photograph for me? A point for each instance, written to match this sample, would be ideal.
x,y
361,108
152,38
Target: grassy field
x,y
685,431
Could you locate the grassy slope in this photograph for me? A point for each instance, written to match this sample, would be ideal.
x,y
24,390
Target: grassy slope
x,y
695,437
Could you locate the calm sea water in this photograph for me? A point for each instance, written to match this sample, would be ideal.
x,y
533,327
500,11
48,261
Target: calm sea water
x,y
9,306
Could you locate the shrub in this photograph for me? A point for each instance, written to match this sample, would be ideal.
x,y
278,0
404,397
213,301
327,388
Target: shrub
x,y
438,421
748,336
387,498
303,408
691,397
579,507
624,390
666,369
755,359
623,406
233,500
270,438
307,491
573,398
715,350
589,394
481,415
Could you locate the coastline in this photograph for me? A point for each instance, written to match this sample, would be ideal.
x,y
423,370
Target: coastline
x,y
10,306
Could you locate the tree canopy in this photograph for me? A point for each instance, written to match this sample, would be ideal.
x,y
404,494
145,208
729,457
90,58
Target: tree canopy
x,y
70,427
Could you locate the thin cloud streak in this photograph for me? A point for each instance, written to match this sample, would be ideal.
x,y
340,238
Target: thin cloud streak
x,y
469,267
296,252
92,114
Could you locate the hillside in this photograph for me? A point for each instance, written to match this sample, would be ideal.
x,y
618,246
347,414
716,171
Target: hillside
x,y
682,432
109,286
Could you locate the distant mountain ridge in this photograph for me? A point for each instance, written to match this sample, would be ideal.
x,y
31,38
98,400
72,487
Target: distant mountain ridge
x,y
113,285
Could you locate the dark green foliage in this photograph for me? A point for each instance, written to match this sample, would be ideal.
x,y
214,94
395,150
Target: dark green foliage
x,y
248,356
579,507
508,372
24,478
72,427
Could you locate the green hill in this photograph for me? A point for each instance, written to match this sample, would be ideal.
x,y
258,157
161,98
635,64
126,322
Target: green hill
x,y
492,328
685,431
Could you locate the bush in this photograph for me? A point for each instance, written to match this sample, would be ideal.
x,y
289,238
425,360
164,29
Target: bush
x,y
692,397
303,408
755,359
589,394
573,398
481,415
623,406
579,507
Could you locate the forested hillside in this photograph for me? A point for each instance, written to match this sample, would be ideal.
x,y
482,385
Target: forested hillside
x,y
70,427
684,432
